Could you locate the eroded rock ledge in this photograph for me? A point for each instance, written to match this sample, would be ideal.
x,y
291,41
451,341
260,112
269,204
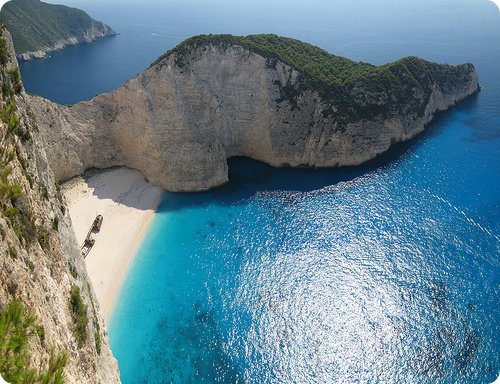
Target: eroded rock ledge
x,y
181,119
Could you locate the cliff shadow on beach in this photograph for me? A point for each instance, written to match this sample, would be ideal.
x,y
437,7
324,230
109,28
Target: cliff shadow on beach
x,y
123,186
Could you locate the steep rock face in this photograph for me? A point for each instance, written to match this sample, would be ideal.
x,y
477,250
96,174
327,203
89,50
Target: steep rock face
x,y
39,28
183,117
39,257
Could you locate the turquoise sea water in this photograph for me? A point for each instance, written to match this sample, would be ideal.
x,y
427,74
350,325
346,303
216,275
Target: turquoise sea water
x,y
386,273
320,277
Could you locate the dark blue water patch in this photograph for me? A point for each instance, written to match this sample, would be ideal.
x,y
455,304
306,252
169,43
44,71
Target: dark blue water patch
x,y
82,71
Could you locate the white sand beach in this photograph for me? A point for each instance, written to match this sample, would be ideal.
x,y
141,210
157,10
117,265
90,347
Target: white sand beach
x,y
127,203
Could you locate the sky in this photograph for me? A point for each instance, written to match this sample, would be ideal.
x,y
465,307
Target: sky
x,y
70,2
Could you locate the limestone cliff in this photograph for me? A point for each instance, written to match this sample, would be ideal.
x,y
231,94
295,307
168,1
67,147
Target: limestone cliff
x,y
213,98
42,271
39,28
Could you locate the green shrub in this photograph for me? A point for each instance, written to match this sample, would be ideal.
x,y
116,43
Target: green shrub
x,y
17,326
6,156
55,371
55,223
79,315
21,221
4,53
97,338
354,88
14,122
8,110
40,331
5,114
6,88
23,134
11,213
43,191
72,271
15,192
43,238
4,173
15,78
9,191
12,252
9,117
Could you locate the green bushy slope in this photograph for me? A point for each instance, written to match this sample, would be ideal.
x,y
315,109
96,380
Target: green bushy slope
x,y
35,25
359,90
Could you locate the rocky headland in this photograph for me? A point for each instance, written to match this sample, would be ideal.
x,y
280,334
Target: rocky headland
x,y
39,28
273,99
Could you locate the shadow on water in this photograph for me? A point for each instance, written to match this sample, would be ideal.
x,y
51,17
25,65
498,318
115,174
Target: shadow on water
x,y
248,176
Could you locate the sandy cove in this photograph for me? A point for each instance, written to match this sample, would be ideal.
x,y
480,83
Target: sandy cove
x,y
127,203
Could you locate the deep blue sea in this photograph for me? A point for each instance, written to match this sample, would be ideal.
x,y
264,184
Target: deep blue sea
x,y
386,273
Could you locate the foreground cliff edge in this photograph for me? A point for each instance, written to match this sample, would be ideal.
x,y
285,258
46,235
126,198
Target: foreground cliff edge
x,y
51,330
39,28
273,99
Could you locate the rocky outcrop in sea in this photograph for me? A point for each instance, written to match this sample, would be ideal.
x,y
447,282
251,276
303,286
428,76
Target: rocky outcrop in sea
x,y
181,119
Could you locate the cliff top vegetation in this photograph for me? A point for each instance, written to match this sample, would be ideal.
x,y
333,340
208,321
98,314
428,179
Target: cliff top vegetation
x,y
360,90
35,25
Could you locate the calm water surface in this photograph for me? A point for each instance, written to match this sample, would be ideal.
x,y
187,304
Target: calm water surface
x,y
387,273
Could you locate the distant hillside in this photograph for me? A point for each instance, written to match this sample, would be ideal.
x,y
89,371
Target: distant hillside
x,y
38,28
